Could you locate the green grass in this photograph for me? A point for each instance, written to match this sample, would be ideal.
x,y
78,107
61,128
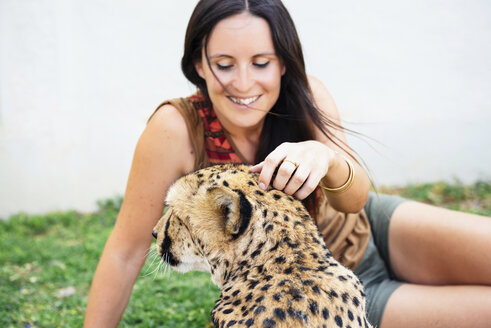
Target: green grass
x,y
475,198
42,255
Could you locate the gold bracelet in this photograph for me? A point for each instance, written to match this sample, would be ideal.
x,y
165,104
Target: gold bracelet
x,y
347,184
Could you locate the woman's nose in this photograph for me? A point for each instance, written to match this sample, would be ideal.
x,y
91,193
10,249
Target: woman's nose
x,y
243,80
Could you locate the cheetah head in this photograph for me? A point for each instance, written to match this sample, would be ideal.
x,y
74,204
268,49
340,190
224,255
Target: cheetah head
x,y
207,212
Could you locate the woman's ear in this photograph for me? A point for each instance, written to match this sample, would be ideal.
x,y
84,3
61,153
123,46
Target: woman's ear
x,y
283,69
198,66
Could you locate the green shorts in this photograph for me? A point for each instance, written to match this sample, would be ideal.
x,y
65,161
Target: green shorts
x,y
374,269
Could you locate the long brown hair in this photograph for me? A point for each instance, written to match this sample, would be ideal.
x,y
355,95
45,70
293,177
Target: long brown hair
x,y
294,111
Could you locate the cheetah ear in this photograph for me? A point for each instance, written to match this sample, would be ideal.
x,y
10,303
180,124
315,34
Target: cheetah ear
x,y
235,209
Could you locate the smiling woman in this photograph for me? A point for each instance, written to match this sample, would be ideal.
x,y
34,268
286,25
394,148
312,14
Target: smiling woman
x,y
256,105
243,79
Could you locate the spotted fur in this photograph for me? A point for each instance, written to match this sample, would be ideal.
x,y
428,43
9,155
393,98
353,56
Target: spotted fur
x,y
262,249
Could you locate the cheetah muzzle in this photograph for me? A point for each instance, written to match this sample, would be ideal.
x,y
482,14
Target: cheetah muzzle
x,y
262,249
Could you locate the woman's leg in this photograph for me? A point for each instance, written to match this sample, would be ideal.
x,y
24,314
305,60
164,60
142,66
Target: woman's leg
x,y
445,256
436,246
418,306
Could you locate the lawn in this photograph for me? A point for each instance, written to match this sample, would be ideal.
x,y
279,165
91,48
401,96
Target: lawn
x,y
47,263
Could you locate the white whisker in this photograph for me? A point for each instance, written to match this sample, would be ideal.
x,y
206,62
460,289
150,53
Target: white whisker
x,y
153,256
156,269
150,273
166,266
150,249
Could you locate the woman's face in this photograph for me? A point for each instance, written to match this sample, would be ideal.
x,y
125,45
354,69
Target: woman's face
x,y
243,58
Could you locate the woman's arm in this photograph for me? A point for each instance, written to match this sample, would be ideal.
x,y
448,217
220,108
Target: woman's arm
x,y
301,166
163,153
355,197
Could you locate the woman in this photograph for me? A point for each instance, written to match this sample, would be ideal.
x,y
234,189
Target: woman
x,y
256,105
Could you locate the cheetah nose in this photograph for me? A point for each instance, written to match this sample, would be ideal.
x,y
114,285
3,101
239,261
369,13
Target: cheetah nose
x,y
154,234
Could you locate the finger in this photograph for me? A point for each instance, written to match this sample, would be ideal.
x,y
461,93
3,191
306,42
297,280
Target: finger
x,y
270,164
297,180
307,188
257,168
285,172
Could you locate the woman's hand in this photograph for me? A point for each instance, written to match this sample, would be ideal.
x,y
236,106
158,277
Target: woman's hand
x,y
300,165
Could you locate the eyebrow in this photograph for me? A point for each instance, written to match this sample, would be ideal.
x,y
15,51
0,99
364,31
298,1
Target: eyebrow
x,y
228,56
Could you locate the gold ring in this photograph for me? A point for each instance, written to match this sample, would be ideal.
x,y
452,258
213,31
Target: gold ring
x,y
290,161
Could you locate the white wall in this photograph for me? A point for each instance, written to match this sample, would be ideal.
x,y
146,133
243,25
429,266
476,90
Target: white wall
x,y
78,79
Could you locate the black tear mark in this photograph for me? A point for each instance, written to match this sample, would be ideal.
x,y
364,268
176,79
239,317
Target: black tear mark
x,y
166,246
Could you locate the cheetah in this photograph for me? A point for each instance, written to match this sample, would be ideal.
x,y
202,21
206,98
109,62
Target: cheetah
x,y
263,251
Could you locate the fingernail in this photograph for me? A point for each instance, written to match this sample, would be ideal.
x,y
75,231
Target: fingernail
x,y
262,186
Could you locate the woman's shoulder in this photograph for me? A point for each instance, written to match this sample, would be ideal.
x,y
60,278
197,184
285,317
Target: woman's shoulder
x,y
167,136
167,120
325,103
177,113
322,97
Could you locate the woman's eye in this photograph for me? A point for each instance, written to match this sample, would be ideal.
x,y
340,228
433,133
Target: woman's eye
x,y
223,67
261,65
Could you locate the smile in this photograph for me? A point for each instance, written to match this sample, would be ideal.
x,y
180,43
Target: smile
x,y
243,101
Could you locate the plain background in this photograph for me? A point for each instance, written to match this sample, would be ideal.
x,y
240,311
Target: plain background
x,y
78,80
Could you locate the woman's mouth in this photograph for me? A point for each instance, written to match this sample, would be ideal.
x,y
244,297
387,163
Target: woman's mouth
x,y
243,101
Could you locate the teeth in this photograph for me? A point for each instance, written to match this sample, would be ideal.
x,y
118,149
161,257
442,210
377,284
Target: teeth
x,y
244,101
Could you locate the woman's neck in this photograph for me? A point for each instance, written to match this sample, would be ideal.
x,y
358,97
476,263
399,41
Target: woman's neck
x,y
247,147
246,141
